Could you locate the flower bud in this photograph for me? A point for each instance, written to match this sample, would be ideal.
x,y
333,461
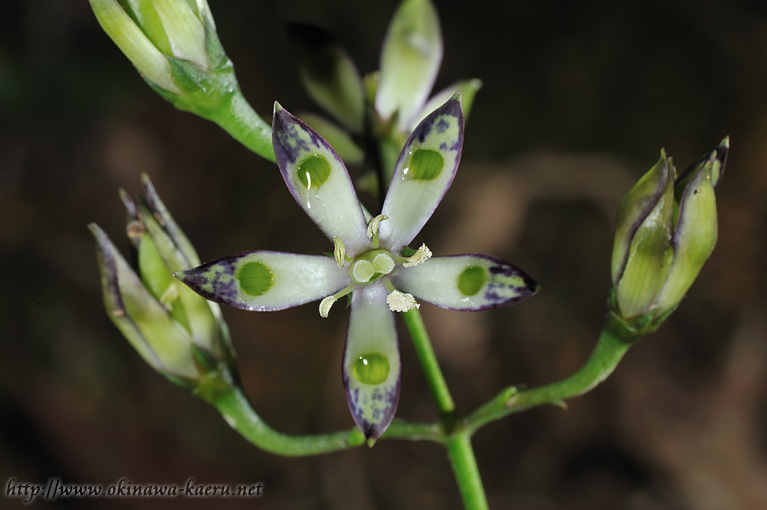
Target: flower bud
x,y
410,59
179,333
643,235
150,33
665,231
329,75
175,47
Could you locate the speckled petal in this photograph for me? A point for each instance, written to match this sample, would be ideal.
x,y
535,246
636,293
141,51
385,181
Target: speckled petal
x,y
466,282
318,180
425,169
265,281
371,369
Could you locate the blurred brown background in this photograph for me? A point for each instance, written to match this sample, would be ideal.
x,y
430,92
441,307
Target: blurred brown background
x,y
578,99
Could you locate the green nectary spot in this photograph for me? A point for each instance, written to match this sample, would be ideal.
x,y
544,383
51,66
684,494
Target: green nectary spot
x,y
372,368
425,165
471,280
255,278
314,171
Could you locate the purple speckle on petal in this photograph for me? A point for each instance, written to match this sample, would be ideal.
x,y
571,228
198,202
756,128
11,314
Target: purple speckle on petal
x,y
502,270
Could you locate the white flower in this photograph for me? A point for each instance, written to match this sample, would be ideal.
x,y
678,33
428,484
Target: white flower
x,y
368,261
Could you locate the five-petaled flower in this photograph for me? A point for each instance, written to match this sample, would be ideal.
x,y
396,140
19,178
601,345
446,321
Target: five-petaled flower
x,y
371,259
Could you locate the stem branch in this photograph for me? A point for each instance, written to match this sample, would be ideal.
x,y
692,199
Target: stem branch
x,y
238,413
613,343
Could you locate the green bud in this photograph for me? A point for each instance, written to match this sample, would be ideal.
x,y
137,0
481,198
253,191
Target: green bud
x,y
339,139
410,59
151,63
175,47
162,341
174,329
329,75
643,235
665,231
173,44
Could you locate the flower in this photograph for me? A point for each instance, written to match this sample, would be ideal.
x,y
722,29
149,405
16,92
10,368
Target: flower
x,y
371,260
178,333
666,230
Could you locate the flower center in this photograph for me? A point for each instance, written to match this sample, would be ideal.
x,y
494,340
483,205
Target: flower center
x,y
371,266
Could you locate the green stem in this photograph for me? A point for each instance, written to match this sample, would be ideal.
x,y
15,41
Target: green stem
x,y
461,455
415,431
238,413
234,406
613,343
458,444
429,363
245,125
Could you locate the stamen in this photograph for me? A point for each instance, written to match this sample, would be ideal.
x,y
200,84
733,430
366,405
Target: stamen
x,y
135,229
401,301
327,303
373,225
373,229
419,257
325,306
339,251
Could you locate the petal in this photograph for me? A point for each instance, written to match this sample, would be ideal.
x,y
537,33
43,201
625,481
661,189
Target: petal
x,y
718,159
329,74
157,207
371,369
694,238
636,206
158,257
148,326
152,64
410,60
318,180
466,282
265,281
425,169
467,88
185,31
